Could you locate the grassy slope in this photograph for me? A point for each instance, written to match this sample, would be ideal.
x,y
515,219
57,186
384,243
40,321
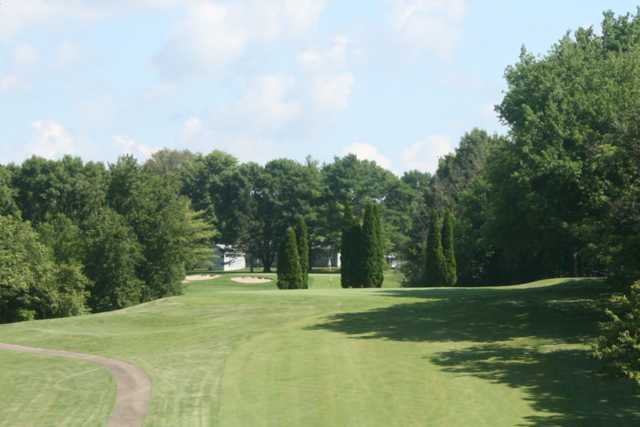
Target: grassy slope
x,y
236,355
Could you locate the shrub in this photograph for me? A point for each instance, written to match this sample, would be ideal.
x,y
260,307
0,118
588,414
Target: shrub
x,y
619,345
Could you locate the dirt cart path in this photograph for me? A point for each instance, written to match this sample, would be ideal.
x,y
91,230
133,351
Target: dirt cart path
x,y
134,387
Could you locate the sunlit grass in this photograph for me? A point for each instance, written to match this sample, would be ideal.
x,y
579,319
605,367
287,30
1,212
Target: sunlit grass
x,y
232,354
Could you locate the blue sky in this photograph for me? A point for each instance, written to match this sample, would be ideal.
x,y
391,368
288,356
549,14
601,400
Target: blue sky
x,y
396,81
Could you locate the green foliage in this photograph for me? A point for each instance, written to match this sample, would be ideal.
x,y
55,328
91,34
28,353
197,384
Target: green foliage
x,y
459,185
448,244
362,256
195,238
290,274
559,197
348,249
31,284
286,190
170,234
73,290
302,238
68,186
370,260
112,258
378,271
171,164
202,182
619,345
566,183
435,266
348,180
8,204
63,237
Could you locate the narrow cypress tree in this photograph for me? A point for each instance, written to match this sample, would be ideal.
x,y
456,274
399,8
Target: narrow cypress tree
x,y
369,249
280,264
358,270
378,273
289,273
435,269
346,249
448,245
302,237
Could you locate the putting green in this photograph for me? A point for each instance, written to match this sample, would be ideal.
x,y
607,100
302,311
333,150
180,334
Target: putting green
x,y
239,354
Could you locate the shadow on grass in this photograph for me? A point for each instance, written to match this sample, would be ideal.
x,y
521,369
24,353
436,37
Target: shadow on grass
x,y
564,385
568,312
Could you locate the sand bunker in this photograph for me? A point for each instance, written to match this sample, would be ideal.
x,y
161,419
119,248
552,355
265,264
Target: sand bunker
x,y
200,277
251,280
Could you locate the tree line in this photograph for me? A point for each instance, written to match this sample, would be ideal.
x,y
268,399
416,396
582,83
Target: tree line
x,y
78,237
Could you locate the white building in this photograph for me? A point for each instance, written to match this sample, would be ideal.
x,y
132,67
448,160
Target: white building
x,y
228,259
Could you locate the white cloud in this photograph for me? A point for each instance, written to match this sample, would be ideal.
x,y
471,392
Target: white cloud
x,y
23,59
368,152
50,140
331,81
333,92
335,56
199,135
431,25
424,155
213,34
128,145
66,54
246,128
192,128
25,55
10,82
208,37
268,103
19,15
250,148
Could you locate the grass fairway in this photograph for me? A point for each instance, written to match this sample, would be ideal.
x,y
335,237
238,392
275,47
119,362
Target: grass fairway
x,y
35,389
229,354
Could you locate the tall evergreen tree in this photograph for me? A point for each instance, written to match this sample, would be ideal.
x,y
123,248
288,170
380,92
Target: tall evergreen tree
x,y
448,244
290,272
358,270
435,269
370,251
302,238
378,272
347,252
